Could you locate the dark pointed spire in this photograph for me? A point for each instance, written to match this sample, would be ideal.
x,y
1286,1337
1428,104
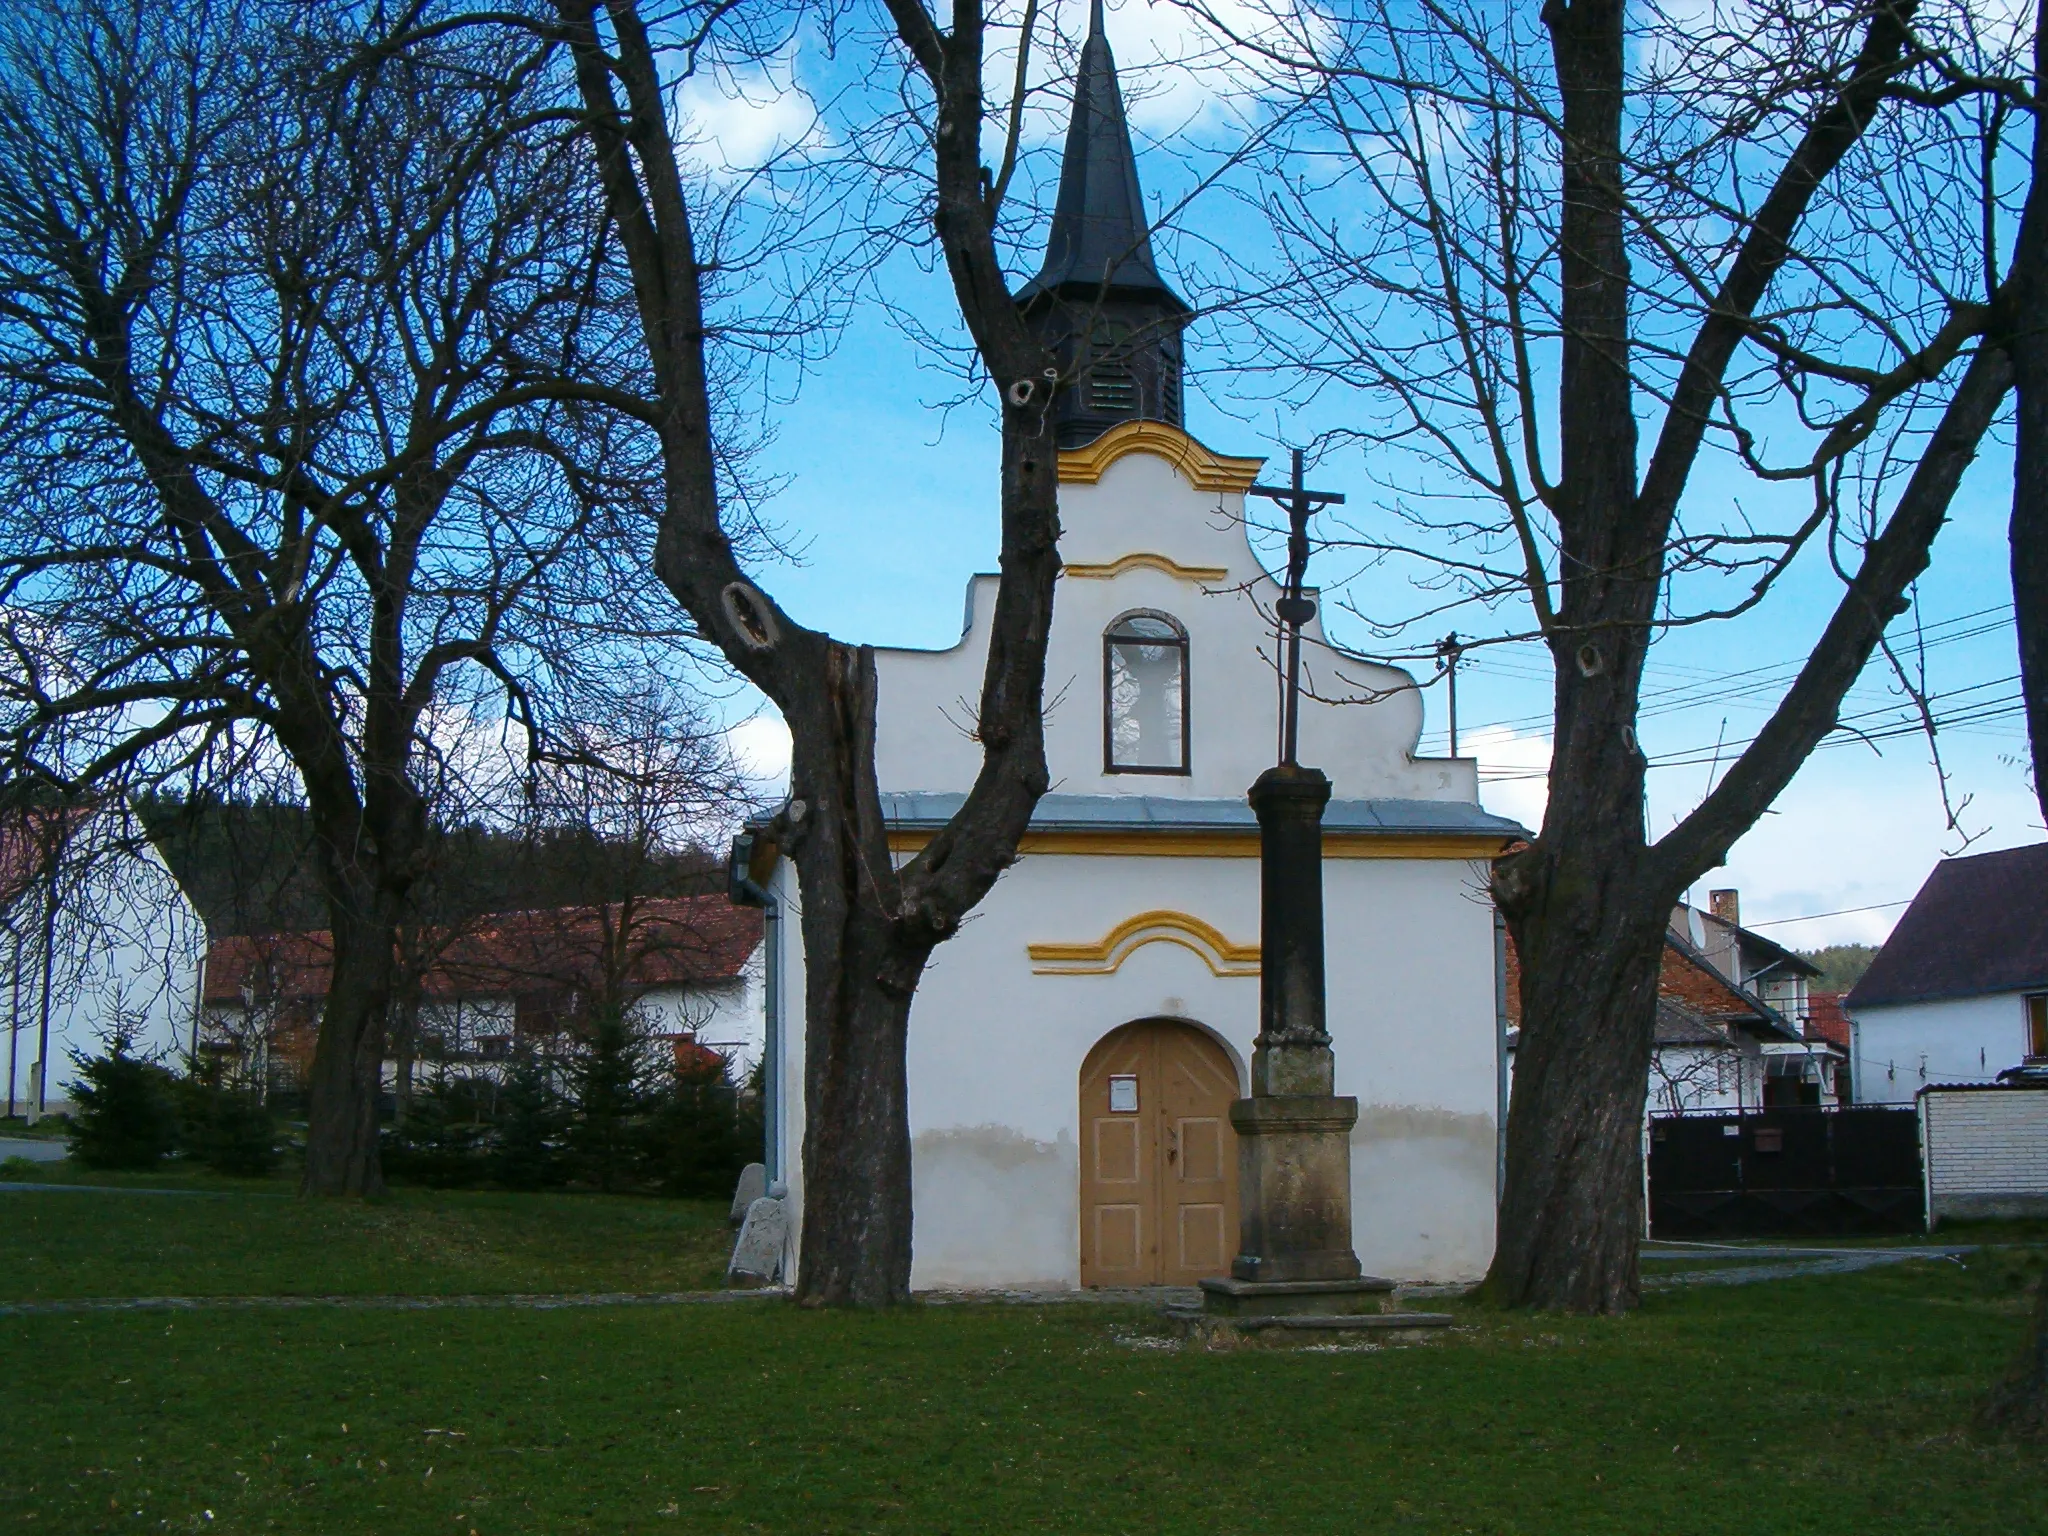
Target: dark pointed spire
x,y
1098,273
1099,229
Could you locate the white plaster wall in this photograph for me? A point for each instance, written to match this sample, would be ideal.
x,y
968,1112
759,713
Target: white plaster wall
x,y
728,1018
128,948
1896,1051
1142,506
996,1053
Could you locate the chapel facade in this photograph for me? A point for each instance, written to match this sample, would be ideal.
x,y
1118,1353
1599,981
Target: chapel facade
x,y
1075,1048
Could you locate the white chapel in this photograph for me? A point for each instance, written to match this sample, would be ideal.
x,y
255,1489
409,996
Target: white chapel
x,y
1074,1050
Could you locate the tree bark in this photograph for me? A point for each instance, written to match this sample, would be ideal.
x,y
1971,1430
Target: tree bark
x,y
868,927
2020,1403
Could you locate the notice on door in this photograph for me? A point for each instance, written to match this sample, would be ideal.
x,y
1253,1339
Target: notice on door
x,y
1123,1095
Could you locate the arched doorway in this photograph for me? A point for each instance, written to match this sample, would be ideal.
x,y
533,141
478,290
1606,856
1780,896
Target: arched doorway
x,y
1158,1157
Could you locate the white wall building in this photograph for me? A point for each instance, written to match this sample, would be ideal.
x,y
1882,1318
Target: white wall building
x,y
1959,992
1074,1050
1137,899
96,937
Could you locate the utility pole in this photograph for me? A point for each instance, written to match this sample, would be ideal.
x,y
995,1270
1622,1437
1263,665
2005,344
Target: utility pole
x,y
1448,650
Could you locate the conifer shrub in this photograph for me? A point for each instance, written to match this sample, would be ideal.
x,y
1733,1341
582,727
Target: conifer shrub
x,y
696,1142
125,1114
610,1091
444,1139
227,1129
527,1141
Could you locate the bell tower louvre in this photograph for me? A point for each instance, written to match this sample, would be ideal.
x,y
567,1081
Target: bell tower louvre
x,y
1098,301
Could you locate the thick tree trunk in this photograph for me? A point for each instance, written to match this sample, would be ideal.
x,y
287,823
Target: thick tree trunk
x,y
341,1132
856,1247
1571,1214
862,962
2021,1401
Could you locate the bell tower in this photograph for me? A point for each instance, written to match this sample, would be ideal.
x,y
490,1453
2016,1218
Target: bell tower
x,y
1098,301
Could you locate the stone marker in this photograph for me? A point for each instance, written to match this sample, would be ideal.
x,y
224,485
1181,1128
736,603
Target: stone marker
x,y
753,1185
764,1237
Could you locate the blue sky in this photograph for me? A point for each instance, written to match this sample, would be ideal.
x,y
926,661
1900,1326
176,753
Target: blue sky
x,y
892,505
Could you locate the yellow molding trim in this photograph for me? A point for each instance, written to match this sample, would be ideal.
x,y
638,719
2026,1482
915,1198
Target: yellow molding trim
x,y
1206,575
1122,842
1203,469
1103,957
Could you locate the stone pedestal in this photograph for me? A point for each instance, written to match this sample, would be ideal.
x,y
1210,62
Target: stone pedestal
x,y
1294,1188
1293,1133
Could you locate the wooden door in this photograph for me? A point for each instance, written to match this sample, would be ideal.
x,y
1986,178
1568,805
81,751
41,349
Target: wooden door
x,y
1158,1157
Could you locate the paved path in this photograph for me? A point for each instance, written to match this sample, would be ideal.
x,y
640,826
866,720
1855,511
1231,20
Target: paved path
x,y
1790,1263
382,1303
22,1187
34,1151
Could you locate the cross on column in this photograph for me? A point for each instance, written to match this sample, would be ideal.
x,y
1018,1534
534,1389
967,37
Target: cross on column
x,y
1294,610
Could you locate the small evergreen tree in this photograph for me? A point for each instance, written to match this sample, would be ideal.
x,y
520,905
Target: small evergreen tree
x,y
526,1152
696,1139
125,1115
443,1140
610,1090
227,1129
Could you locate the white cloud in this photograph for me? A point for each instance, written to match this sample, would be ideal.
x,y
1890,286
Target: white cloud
x,y
1513,771
761,746
737,120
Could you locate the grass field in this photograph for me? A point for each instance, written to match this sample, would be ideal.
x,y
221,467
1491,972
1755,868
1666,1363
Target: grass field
x,y
1822,1405
243,1237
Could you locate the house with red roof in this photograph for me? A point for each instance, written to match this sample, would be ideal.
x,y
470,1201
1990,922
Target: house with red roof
x,y
1734,1012
686,969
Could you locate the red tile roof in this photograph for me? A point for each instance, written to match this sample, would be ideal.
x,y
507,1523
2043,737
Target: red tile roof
x,y
1825,1019
669,941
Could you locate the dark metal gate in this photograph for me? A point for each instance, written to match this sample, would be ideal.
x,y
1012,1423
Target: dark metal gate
x,y
1814,1172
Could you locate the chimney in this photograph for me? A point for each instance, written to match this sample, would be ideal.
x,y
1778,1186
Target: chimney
x,y
1723,949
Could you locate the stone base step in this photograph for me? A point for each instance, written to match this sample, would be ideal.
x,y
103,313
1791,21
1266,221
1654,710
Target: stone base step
x,y
1301,1327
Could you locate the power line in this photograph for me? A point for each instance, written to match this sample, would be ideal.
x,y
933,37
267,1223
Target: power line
x,y
1813,917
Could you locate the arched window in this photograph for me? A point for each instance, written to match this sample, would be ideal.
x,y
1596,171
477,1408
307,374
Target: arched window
x,y
1145,695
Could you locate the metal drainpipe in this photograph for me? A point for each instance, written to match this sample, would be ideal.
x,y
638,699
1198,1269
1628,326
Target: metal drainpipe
x,y
745,889
1500,1057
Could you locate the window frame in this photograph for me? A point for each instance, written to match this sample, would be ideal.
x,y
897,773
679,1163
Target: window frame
x,y
2037,1028
1187,701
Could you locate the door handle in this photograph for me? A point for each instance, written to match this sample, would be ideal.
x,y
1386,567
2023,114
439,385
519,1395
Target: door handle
x,y
1172,1143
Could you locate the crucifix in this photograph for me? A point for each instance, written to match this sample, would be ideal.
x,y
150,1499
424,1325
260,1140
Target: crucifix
x,y
1294,610
1293,1130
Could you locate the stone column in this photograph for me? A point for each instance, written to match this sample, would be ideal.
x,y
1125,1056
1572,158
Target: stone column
x,y
1294,1135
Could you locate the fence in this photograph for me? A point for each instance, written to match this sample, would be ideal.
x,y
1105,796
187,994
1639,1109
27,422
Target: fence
x,y
1814,1172
1987,1151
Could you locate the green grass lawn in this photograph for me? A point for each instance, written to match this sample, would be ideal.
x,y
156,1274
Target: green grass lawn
x,y
1820,1405
246,1237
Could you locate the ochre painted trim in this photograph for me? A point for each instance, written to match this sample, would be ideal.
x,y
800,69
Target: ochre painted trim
x,y
1122,842
1103,957
1207,575
1203,469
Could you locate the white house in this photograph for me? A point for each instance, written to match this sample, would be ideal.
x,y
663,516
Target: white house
x,y
1075,1048
687,969
1959,992
96,938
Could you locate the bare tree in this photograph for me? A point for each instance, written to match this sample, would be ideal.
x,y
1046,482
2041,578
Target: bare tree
x,y
1775,238
274,460
868,926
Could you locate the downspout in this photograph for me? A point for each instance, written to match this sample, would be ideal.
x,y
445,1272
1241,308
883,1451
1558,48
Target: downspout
x,y
748,892
1500,1057
13,1019
42,1091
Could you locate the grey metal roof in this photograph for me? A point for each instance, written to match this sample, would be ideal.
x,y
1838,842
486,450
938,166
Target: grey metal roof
x,y
1061,813
1100,235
